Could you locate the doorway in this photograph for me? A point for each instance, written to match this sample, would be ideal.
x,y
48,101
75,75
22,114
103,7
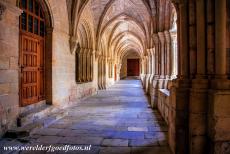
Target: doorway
x,y
32,53
133,67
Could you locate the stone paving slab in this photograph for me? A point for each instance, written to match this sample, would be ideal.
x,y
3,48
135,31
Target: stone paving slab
x,y
115,142
115,150
118,120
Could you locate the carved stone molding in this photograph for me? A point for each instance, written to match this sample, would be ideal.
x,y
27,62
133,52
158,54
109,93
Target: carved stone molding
x,y
2,10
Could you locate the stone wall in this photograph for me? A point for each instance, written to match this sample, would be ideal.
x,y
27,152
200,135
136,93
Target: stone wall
x,y
9,70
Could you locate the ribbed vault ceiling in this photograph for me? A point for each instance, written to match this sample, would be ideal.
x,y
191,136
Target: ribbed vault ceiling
x,y
114,27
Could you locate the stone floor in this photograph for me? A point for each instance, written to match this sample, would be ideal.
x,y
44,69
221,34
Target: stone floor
x,y
115,121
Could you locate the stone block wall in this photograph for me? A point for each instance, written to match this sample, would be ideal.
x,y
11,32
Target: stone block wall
x,y
9,70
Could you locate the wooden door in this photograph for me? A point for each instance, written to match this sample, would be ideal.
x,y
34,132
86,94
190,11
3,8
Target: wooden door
x,y
31,70
31,54
133,68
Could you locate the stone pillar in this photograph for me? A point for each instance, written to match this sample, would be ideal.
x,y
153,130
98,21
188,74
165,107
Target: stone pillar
x,y
201,43
174,54
81,65
219,96
179,91
183,39
162,54
220,38
155,82
193,38
88,65
84,64
198,94
99,72
168,54
148,73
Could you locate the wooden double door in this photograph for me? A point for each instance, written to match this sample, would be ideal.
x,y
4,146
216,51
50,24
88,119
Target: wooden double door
x,y
32,69
133,67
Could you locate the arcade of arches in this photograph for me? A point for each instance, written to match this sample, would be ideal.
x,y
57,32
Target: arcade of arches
x,y
54,53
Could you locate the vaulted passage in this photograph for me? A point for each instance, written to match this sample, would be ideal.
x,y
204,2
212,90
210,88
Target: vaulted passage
x,y
70,67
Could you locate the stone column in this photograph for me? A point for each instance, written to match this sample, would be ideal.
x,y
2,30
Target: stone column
x,y
220,35
157,61
198,104
168,54
174,54
162,53
81,65
183,39
179,91
155,82
92,60
153,61
219,96
99,71
88,65
201,43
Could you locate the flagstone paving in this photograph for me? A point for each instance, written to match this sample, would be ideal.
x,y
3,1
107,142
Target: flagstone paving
x,y
118,120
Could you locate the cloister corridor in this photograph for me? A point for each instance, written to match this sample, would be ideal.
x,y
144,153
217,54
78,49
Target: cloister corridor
x,y
118,120
124,76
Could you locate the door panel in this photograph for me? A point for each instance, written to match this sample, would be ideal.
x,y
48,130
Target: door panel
x,y
133,68
31,69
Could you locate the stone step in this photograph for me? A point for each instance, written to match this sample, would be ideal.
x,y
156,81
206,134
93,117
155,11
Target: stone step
x,y
26,130
34,114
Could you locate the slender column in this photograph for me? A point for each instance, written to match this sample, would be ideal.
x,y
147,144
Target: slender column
x,y
162,51
78,66
183,32
153,60
201,60
168,54
220,36
92,59
99,72
88,65
84,65
156,42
